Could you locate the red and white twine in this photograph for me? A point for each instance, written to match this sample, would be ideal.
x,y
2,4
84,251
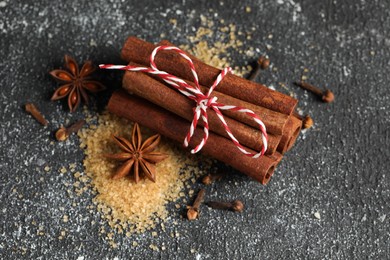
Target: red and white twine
x,y
202,101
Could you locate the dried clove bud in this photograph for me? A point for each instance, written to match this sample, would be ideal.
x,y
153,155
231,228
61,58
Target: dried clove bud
x,y
235,205
63,133
261,64
193,211
264,62
210,178
307,122
33,110
326,95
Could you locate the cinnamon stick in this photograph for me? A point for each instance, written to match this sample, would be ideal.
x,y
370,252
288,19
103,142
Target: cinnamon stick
x,y
290,134
274,121
137,50
291,127
145,86
175,128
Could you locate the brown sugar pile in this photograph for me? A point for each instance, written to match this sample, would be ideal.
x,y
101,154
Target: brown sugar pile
x,y
131,207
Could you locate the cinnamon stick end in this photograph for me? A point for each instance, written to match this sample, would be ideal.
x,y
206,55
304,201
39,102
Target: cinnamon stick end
x,y
268,175
294,137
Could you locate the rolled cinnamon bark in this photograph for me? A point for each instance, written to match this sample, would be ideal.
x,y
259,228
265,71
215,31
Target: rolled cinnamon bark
x,y
175,128
137,50
291,129
274,121
145,86
290,134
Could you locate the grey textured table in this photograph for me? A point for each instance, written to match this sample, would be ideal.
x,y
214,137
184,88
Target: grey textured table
x,y
338,169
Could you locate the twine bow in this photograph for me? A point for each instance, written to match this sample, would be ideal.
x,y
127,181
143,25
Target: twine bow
x,y
203,101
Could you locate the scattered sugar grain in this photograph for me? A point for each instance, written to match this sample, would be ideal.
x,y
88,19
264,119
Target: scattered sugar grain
x,y
154,247
173,22
216,55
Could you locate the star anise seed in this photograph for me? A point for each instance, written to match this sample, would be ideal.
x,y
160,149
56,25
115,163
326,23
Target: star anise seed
x,y
75,83
136,154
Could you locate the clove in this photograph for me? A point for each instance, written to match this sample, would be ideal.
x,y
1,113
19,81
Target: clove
x,y
63,133
261,64
212,177
326,95
307,122
235,205
33,110
193,211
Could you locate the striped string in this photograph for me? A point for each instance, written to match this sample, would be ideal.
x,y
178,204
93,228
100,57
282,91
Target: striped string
x,y
203,101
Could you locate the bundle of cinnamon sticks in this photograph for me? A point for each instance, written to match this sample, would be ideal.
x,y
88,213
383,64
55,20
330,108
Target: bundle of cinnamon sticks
x,y
151,102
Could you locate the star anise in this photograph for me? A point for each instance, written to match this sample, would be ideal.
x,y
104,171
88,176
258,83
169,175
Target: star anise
x,y
75,82
136,154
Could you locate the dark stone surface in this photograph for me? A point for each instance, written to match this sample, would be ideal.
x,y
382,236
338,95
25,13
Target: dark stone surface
x,y
338,169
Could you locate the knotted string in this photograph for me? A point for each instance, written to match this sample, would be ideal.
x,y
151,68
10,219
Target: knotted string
x,y
203,101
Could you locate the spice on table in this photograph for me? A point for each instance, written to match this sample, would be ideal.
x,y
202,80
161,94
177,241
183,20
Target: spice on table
x,y
261,64
290,134
193,211
233,86
75,82
307,122
63,132
33,110
173,127
170,118
244,128
235,205
136,154
212,177
138,51
326,95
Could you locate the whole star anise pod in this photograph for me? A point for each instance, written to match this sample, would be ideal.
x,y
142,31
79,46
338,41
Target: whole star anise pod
x,y
75,82
136,154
